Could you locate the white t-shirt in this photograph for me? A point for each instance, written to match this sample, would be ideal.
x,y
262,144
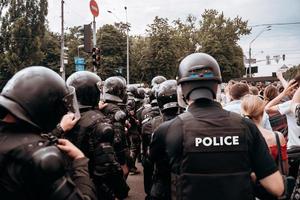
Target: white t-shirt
x,y
293,129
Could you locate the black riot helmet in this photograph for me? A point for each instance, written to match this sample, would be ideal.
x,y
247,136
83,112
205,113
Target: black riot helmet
x,y
87,86
167,95
157,80
114,90
38,96
132,91
198,77
141,93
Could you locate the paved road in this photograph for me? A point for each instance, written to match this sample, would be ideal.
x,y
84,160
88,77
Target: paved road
x,y
136,184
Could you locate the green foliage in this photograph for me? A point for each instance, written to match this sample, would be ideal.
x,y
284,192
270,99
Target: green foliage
x,y
219,37
292,72
22,33
51,51
139,57
112,42
23,27
162,57
166,45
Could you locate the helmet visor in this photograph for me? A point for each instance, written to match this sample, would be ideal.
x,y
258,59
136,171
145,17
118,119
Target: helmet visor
x,y
70,102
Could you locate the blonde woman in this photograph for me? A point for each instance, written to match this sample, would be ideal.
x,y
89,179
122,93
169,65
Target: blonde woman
x,y
253,108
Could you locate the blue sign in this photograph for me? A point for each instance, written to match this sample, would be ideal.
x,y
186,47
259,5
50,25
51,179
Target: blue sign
x,y
79,68
79,64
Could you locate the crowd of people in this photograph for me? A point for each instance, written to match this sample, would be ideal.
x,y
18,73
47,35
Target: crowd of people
x,y
195,137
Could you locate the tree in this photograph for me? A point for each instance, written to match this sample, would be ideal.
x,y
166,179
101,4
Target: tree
x,y
292,72
186,37
23,27
51,51
219,36
139,56
112,42
162,54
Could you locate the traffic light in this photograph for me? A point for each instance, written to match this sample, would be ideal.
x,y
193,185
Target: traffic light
x,y
283,57
96,57
87,35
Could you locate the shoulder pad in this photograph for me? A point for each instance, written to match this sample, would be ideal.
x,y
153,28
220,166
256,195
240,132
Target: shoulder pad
x,y
47,164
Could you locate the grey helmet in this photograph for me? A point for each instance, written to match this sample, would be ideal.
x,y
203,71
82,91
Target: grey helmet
x,y
198,77
114,90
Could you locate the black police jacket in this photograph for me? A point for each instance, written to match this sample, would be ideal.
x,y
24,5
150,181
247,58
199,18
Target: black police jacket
x,y
118,117
33,168
211,153
94,135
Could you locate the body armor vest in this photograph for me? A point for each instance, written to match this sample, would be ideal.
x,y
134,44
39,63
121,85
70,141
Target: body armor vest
x,y
214,163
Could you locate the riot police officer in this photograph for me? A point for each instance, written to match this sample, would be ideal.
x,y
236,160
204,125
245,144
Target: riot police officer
x,y
212,152
113,93
157,80
166,96
32,167
94,135
135,100
149,114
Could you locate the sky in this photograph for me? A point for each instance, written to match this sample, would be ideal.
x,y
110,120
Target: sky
x,y
284,39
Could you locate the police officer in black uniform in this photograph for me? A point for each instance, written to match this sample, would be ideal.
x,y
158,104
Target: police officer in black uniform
x,y
94,135
167,101
212,152
149,114
113,93
32,167
135,101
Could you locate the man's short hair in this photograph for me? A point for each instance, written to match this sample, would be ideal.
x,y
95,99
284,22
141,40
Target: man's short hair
x,y
253,90
238,90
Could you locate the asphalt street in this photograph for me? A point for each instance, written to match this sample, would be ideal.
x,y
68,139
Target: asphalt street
x,y
136,185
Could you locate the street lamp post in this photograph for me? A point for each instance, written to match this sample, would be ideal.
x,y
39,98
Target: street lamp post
x,y
268,28
127,42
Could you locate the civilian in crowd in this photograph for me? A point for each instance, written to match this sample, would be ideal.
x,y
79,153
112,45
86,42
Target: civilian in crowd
x,y
237,92
253,108
253,90
278,122
285,109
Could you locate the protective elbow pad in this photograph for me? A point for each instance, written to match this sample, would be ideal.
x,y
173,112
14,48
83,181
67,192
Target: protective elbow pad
x,y
65,189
